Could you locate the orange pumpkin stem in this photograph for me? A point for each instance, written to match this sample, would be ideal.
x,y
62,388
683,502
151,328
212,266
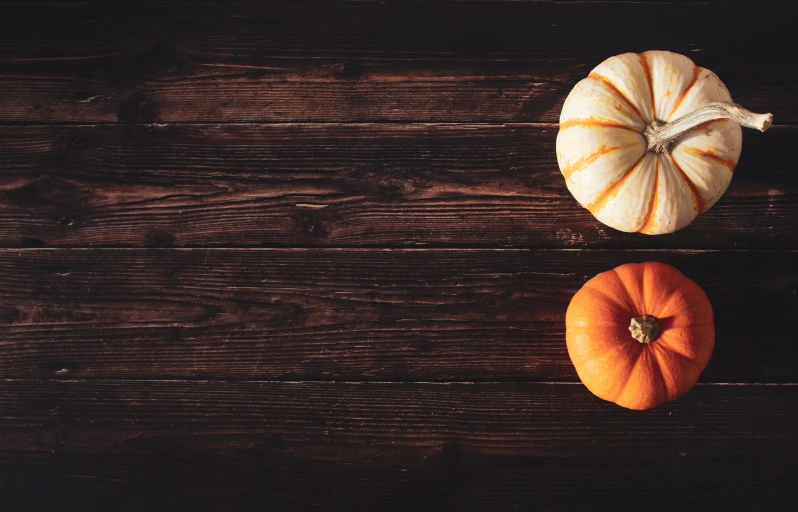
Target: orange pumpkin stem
x,y
644,329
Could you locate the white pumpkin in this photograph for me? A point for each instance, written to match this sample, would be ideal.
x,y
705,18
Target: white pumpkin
x,y
649,141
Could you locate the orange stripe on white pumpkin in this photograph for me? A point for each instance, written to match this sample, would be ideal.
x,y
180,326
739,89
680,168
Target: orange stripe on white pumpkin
x,y
595,122
625,203
584,162
713,154
647,71
596,76
606,128
710,177
707,88
696,72
698,201
673,206
671,73
612,189
648,225
592,98
589,162
627,74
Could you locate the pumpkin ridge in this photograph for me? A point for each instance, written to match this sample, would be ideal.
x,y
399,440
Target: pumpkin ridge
x,y
654,201
628,307
696,321
614,350
729,164
696,72
656,368
605,194
698,201
665,346
663,304
583,162
684,362
647,71
608,360
691,100
637,309
608,83
628,378
595,122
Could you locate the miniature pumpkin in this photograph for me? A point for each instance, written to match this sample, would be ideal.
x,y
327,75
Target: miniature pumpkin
x,y
649,141
640,334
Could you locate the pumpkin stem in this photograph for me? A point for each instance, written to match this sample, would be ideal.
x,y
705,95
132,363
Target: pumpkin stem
x,y
660,136
644,329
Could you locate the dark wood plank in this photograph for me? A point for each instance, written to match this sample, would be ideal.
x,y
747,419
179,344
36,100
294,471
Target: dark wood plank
x,y
164,477
97,416
235,446
351,314
345,185
363,61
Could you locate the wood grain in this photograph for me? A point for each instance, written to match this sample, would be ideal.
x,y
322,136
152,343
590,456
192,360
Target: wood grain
x,y
353,314
164,477
444,61
345,185
234,445
207,301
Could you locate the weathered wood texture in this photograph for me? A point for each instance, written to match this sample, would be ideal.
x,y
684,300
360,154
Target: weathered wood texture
x,y
446,61
352,314
296,446
163,348
345,185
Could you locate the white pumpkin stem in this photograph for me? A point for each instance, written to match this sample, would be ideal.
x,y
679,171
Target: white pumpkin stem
x,y
644,329
660,136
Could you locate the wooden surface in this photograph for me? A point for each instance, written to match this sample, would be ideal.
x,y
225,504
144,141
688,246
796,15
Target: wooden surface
x,y
386,185
356,314
264,255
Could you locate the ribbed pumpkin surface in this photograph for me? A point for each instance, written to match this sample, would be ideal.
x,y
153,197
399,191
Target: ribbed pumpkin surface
x,y
602,152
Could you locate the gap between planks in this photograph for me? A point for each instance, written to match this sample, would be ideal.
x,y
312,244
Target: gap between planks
x,y
373,382
470,124
394,248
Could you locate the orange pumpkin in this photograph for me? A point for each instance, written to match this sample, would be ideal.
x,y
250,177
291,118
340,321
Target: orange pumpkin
x,y
640,334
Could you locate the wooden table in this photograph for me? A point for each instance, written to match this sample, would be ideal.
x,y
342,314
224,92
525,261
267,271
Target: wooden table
x,y
267,255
